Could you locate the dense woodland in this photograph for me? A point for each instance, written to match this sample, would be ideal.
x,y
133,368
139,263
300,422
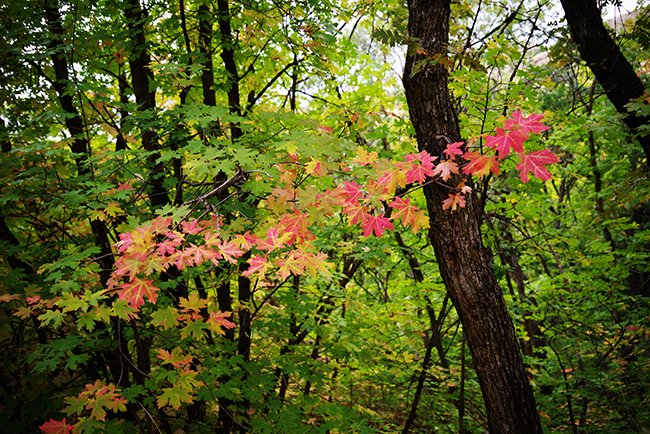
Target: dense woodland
x,y
324,216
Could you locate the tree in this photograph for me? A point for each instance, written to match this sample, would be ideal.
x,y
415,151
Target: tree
x,y
213,220
464,263
610,66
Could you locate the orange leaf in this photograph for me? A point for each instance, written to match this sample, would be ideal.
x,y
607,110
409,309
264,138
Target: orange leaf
x,y
480,165
134,292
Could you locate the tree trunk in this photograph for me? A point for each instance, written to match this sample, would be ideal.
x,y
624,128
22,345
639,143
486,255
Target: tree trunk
x,y
464,262
609,65
145,96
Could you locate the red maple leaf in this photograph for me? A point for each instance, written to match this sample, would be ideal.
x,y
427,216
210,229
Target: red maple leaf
x,y
505,140
421,168
273,240
56,427
258,265
356,213
352,191
192,227
125,242
453,149
410,215
536,162
480,165
135,291
297,226
531,123
376,224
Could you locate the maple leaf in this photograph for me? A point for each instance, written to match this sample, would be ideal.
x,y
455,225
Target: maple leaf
x,y
98,397
421,167
175,358
384,184
200,254
273,240
297,226
330,199
192,227
125,242
166,318
376,224
169,244
5,298
445,168
531,123
230,251
325,129
159,225
410,215
315,264
352,191
506,140
536,162
245,241
453,149
480,165
56,427
315,168
125,187
217,321
291,265
193,302
258,265
134,292
129,265
183,258
364,158
181,392
356,212
454,201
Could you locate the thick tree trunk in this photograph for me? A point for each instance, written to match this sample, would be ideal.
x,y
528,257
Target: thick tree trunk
x,y
464,262
609,65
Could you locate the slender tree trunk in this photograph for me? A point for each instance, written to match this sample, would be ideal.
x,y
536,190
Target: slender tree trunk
x,y
465,265
145,95
609,65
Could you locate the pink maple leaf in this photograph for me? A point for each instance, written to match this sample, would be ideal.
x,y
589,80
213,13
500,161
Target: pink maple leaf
x,y
445,168
453,149
192,227
134,292
506,140
230,251
530,124
258,265
376,224
421,168
56,427
536,162
352,191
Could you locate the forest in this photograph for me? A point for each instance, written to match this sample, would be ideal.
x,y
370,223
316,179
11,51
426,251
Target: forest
x,y
324,216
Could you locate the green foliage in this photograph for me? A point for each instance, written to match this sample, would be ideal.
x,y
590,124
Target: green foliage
x,y
340,348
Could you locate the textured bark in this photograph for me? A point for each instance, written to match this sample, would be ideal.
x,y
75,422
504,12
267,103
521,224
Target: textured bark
x,y
465,265
609,65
